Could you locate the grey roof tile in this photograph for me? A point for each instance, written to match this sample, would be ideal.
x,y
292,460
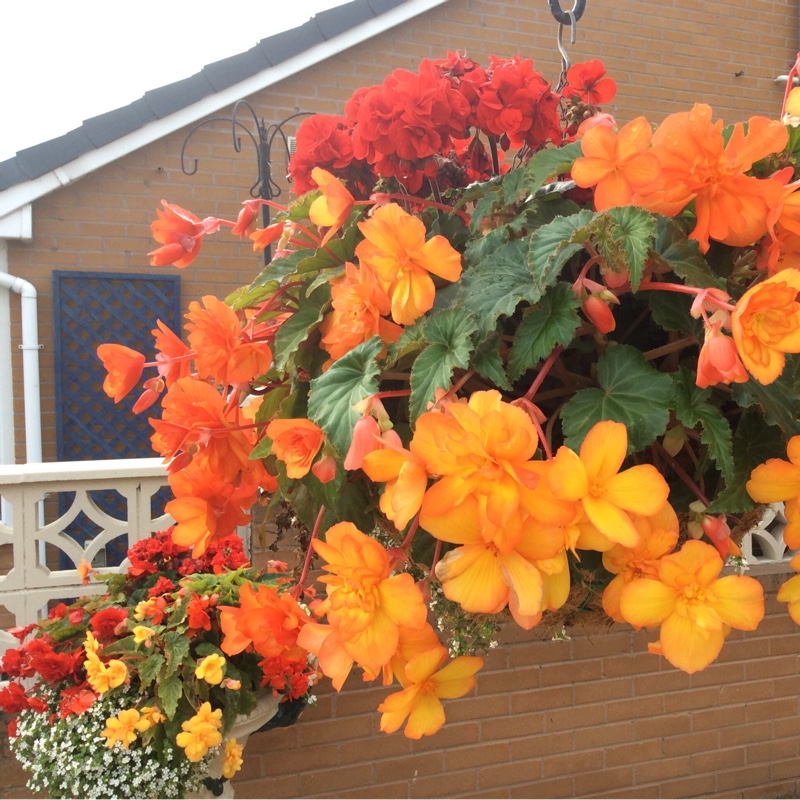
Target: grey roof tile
x,y
41,158
336,21
173,97
232,70
283,46
10,173
115,124
382,6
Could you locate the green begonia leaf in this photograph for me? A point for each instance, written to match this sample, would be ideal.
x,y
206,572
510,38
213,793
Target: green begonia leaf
x,y
779,400
334,393
448,333
692,408
631,392
624,236
553,321
295,330
169,692
672,249
150,668
547,163
487,362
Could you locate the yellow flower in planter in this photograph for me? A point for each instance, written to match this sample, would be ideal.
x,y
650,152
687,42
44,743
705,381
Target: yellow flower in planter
x,y
201,732
123,727
232,762
210,669
790,591
694,606
104,677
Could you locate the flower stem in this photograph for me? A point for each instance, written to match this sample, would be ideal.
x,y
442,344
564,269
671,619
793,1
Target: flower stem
x,y
546,367
681,473
297,590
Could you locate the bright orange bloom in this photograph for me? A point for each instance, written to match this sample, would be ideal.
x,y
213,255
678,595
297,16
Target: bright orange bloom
x,y
607,495
719,360
659,537
181,234
766,324
296,442
332,208
366,605
790,591
124,368
698,165
395,249
358,305
172,354
266,619
246,221
778,481
264,237
222,350
406,480
693,605
424,687
617,165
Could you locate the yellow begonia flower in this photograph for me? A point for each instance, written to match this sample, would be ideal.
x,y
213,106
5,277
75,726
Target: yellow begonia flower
x,y
104,677
607,495
90,644
141,633
766,325
152,714
232,762
423,688
123,728
790,591
201,732
693,605
778,481
332,208
210,669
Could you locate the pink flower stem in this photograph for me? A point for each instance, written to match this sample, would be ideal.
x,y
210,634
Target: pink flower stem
x,y
411,533
392,393
681,289
682,474
546,367
297,590
461,381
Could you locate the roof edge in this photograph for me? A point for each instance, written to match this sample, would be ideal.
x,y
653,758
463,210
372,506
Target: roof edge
x,y
23,193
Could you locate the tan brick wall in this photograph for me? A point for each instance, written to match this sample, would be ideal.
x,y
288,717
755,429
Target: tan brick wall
x,y
663,56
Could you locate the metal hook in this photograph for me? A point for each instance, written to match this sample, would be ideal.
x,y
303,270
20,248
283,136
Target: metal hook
x,y
572,17
566,17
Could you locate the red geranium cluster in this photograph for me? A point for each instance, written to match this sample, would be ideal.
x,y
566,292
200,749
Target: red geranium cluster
x,y
285,676
426,126
160,554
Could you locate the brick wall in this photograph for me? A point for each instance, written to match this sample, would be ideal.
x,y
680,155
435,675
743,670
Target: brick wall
x,y
596,716
664,56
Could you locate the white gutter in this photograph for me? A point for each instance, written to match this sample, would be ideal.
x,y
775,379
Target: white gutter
x,y
21,194
30,359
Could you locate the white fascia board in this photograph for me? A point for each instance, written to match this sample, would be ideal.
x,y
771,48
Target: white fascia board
x,y
22,194
18,224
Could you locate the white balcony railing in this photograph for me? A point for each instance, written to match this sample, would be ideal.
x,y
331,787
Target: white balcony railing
x,y
32,532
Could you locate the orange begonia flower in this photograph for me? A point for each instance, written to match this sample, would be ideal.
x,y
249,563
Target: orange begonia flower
x,y
296,442
659,537
221,349
766,324
265,619
790,591
172,354
181,234
264,237
332,208
366,605
606,494
693,605
395,249
124,368
778,481
698,165
617,165
420,700
358,305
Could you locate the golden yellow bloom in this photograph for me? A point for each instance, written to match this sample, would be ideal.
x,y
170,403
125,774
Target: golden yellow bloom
x,y
693,605
790,591
198,741
607,495
123,728
152,714
210,669
104,677
144,609
90,644
232,762
205,716
142,633
766,325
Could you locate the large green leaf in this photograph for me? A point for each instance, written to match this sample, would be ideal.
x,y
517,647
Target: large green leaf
x,y
779,401
552,245
488,363
450,345
682,255
176,649
333,255
753,443
692,408
494,286
553,321
485,206
295,330
169,693
149,668
670,310
546,163
334,393
631,392
279,268
624,236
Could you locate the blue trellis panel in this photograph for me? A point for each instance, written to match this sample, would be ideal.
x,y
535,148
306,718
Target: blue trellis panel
x,y
91,308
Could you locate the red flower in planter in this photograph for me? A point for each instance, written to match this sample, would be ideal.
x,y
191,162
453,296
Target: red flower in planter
x,y
587,81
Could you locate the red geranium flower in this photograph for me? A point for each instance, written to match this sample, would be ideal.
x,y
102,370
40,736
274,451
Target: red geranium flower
x,y
586,80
